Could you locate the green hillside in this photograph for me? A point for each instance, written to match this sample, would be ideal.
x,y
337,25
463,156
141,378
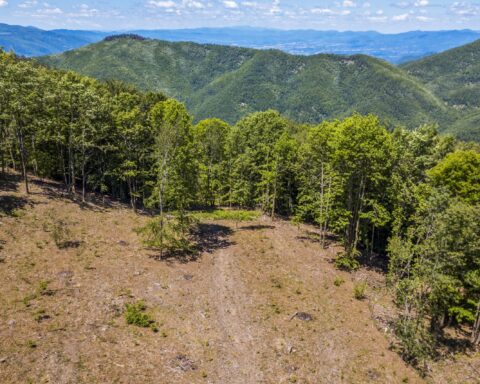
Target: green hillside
x,y
453,75
230,82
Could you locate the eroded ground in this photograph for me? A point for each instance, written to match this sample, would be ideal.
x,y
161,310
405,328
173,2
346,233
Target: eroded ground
x,y
226,317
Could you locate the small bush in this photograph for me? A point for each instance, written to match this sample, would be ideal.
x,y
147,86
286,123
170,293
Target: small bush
x,y
135,315
170,234
359,290
347,263
338,281
416,343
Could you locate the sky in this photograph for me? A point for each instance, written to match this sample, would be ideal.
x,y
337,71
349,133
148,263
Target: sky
x,y
358,15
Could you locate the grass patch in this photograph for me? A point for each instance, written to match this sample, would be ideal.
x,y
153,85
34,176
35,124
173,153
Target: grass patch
x,y
359,290
224,214
136,314
338,281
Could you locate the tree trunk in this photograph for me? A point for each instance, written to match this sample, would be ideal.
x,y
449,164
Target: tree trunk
x,y
23,156
476,327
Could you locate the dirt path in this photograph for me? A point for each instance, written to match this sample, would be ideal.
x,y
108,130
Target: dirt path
x,y
233,306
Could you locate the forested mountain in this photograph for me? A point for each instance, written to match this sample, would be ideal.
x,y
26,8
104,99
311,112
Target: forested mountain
x,y
31,41
395,48
230,82
454,76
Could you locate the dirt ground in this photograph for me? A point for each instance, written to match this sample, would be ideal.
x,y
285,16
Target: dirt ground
x,y
226,317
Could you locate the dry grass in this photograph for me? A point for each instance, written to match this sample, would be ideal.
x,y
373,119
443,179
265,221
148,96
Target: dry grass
x,y
227,317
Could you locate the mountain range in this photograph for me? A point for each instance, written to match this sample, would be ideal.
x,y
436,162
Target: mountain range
x,y
230,82
395,48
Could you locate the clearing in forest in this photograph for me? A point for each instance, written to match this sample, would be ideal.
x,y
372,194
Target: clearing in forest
x,y
262,304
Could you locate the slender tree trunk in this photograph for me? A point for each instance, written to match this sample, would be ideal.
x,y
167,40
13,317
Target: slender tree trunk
x,y
34,157
14,165
476,327
23,156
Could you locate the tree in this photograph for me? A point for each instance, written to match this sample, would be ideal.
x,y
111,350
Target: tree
x,y
175,161
318,179
459,172
211,136
363,159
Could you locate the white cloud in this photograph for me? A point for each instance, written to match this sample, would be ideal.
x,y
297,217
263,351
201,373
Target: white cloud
x,y
349,3
162,4
329,11
421,3
3,3
462,8
230,4
28,4
402,17
424,18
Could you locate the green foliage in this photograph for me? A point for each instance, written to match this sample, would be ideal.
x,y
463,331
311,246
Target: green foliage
x,y
136,314
347,263
338,281
460,173
416,343
359,290
227,214
171,234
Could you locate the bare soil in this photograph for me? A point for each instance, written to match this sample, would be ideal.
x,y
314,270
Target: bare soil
x,y
258,306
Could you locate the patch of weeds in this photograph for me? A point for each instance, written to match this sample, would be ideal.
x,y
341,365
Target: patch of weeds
x,y
275,308
221,214
359,290
18,213
43,289
31,344
276,283
40,316
338,281
136,314
26,300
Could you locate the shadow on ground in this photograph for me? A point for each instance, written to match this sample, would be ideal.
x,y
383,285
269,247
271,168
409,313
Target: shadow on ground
x,y
10,203
314,237
9,182
208,238
256,227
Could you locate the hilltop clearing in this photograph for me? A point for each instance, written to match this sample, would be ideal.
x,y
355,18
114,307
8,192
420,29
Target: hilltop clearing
x,y
69,269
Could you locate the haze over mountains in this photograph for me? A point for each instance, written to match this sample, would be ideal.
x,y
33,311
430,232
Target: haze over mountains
x,y
395,48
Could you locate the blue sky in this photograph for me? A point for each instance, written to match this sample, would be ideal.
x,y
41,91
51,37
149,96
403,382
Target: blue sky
x,y
385,16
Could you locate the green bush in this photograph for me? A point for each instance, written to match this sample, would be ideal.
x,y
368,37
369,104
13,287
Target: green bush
x,y
416,342
347,263
359,290
135,315
338,281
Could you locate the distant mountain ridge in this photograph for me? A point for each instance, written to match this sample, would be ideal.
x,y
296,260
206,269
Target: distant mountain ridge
x,y
395,48
454,76
230,82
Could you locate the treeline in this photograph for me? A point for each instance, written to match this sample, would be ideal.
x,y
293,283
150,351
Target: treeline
x,y
412,195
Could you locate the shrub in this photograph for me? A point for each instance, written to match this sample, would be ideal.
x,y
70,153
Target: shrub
x,y
135,315
359,290
338,281
416,343
347,263
170,233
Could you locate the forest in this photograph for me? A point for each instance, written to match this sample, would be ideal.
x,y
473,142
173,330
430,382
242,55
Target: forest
x,y
411,197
